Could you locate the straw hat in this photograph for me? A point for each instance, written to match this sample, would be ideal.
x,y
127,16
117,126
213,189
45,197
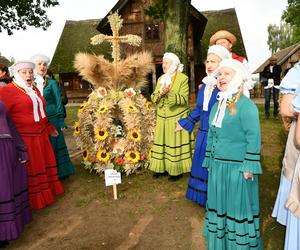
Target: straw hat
x,y
222,34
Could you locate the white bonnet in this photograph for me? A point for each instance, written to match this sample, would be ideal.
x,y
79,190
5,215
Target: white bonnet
x,y
40,57
220,51
175,60
237,66
21,65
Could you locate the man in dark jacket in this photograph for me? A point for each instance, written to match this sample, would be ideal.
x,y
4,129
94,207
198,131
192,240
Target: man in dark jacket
x,y
271,80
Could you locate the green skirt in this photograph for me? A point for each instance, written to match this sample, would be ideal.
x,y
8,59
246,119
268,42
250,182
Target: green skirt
x,y
232,210
172,151
64,165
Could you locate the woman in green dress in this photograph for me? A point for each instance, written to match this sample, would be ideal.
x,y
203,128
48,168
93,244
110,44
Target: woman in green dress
x,y
233,162
55,113
172,152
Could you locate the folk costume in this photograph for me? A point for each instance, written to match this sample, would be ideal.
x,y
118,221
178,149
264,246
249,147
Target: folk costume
x,y
14,200
207,96
55,113
27,109
233,148
172,151
287,206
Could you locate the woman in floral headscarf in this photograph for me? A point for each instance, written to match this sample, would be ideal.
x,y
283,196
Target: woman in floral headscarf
x,y
172,152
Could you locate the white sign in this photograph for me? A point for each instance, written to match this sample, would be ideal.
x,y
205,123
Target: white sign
x,y
112,177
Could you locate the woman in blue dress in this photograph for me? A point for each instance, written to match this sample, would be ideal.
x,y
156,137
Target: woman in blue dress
x,y
197,187
287,206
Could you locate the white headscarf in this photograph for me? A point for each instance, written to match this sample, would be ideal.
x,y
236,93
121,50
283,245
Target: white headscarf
x,y
36,100
175,66
241,75
39,80
210,80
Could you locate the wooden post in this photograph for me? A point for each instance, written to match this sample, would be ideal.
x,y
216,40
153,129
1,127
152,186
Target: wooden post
x,y
115,191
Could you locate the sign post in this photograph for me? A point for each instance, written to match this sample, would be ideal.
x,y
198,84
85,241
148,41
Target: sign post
x,y
112,178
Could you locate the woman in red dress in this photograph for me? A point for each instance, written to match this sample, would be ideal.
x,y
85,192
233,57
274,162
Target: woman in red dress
x,y
27,109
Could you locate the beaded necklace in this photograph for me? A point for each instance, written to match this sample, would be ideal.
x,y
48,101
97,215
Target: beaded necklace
x,y
233,100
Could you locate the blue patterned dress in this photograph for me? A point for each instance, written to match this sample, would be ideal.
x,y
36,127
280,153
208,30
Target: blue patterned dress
x,y
197,187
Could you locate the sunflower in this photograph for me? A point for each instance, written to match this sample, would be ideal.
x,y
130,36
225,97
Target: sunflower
x,y
101,134
76,128
102,109
149,105
82,107
132,108
85,154
133,156
103,156
135,135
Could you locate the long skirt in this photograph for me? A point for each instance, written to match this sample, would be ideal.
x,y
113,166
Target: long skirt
x,y
41,171
64,164
172,151
232,210
14,200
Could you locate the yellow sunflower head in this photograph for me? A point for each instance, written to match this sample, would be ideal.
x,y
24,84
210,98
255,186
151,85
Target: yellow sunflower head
x,y
85,154
103,156
133,156
76,128
135,135
102,109
82,107
149,105
132,108
101,134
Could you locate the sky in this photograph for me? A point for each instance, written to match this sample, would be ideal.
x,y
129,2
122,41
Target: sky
x,y
254,17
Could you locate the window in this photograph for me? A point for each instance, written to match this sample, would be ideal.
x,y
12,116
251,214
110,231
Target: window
x,y
152,31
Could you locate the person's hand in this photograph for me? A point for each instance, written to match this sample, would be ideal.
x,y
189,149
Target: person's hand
x,y
248,176
178,128
54,134
63,129
164,90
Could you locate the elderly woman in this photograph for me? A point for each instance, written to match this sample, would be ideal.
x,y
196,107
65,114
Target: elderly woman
x,y
172,152
287,205
55,113
207,96
27,109
233,161
14,199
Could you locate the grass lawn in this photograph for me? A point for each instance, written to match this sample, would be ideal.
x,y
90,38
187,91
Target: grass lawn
x,y
149,214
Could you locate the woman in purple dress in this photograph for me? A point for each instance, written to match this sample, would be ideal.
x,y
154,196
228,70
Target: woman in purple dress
x,y
14,200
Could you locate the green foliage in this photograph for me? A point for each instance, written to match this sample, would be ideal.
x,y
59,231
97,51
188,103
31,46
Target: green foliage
x,y
291,16
18,14
280,36
157,10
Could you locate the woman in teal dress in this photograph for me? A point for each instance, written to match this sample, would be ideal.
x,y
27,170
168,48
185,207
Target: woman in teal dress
x,y
172,151
233,161
55,113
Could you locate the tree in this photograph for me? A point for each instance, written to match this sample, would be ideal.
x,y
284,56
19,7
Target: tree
x,y
175,15
18,14
280,36
291,16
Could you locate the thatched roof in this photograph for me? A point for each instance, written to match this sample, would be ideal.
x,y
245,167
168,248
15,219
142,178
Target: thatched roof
x,y
75,38
223,20
281,55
